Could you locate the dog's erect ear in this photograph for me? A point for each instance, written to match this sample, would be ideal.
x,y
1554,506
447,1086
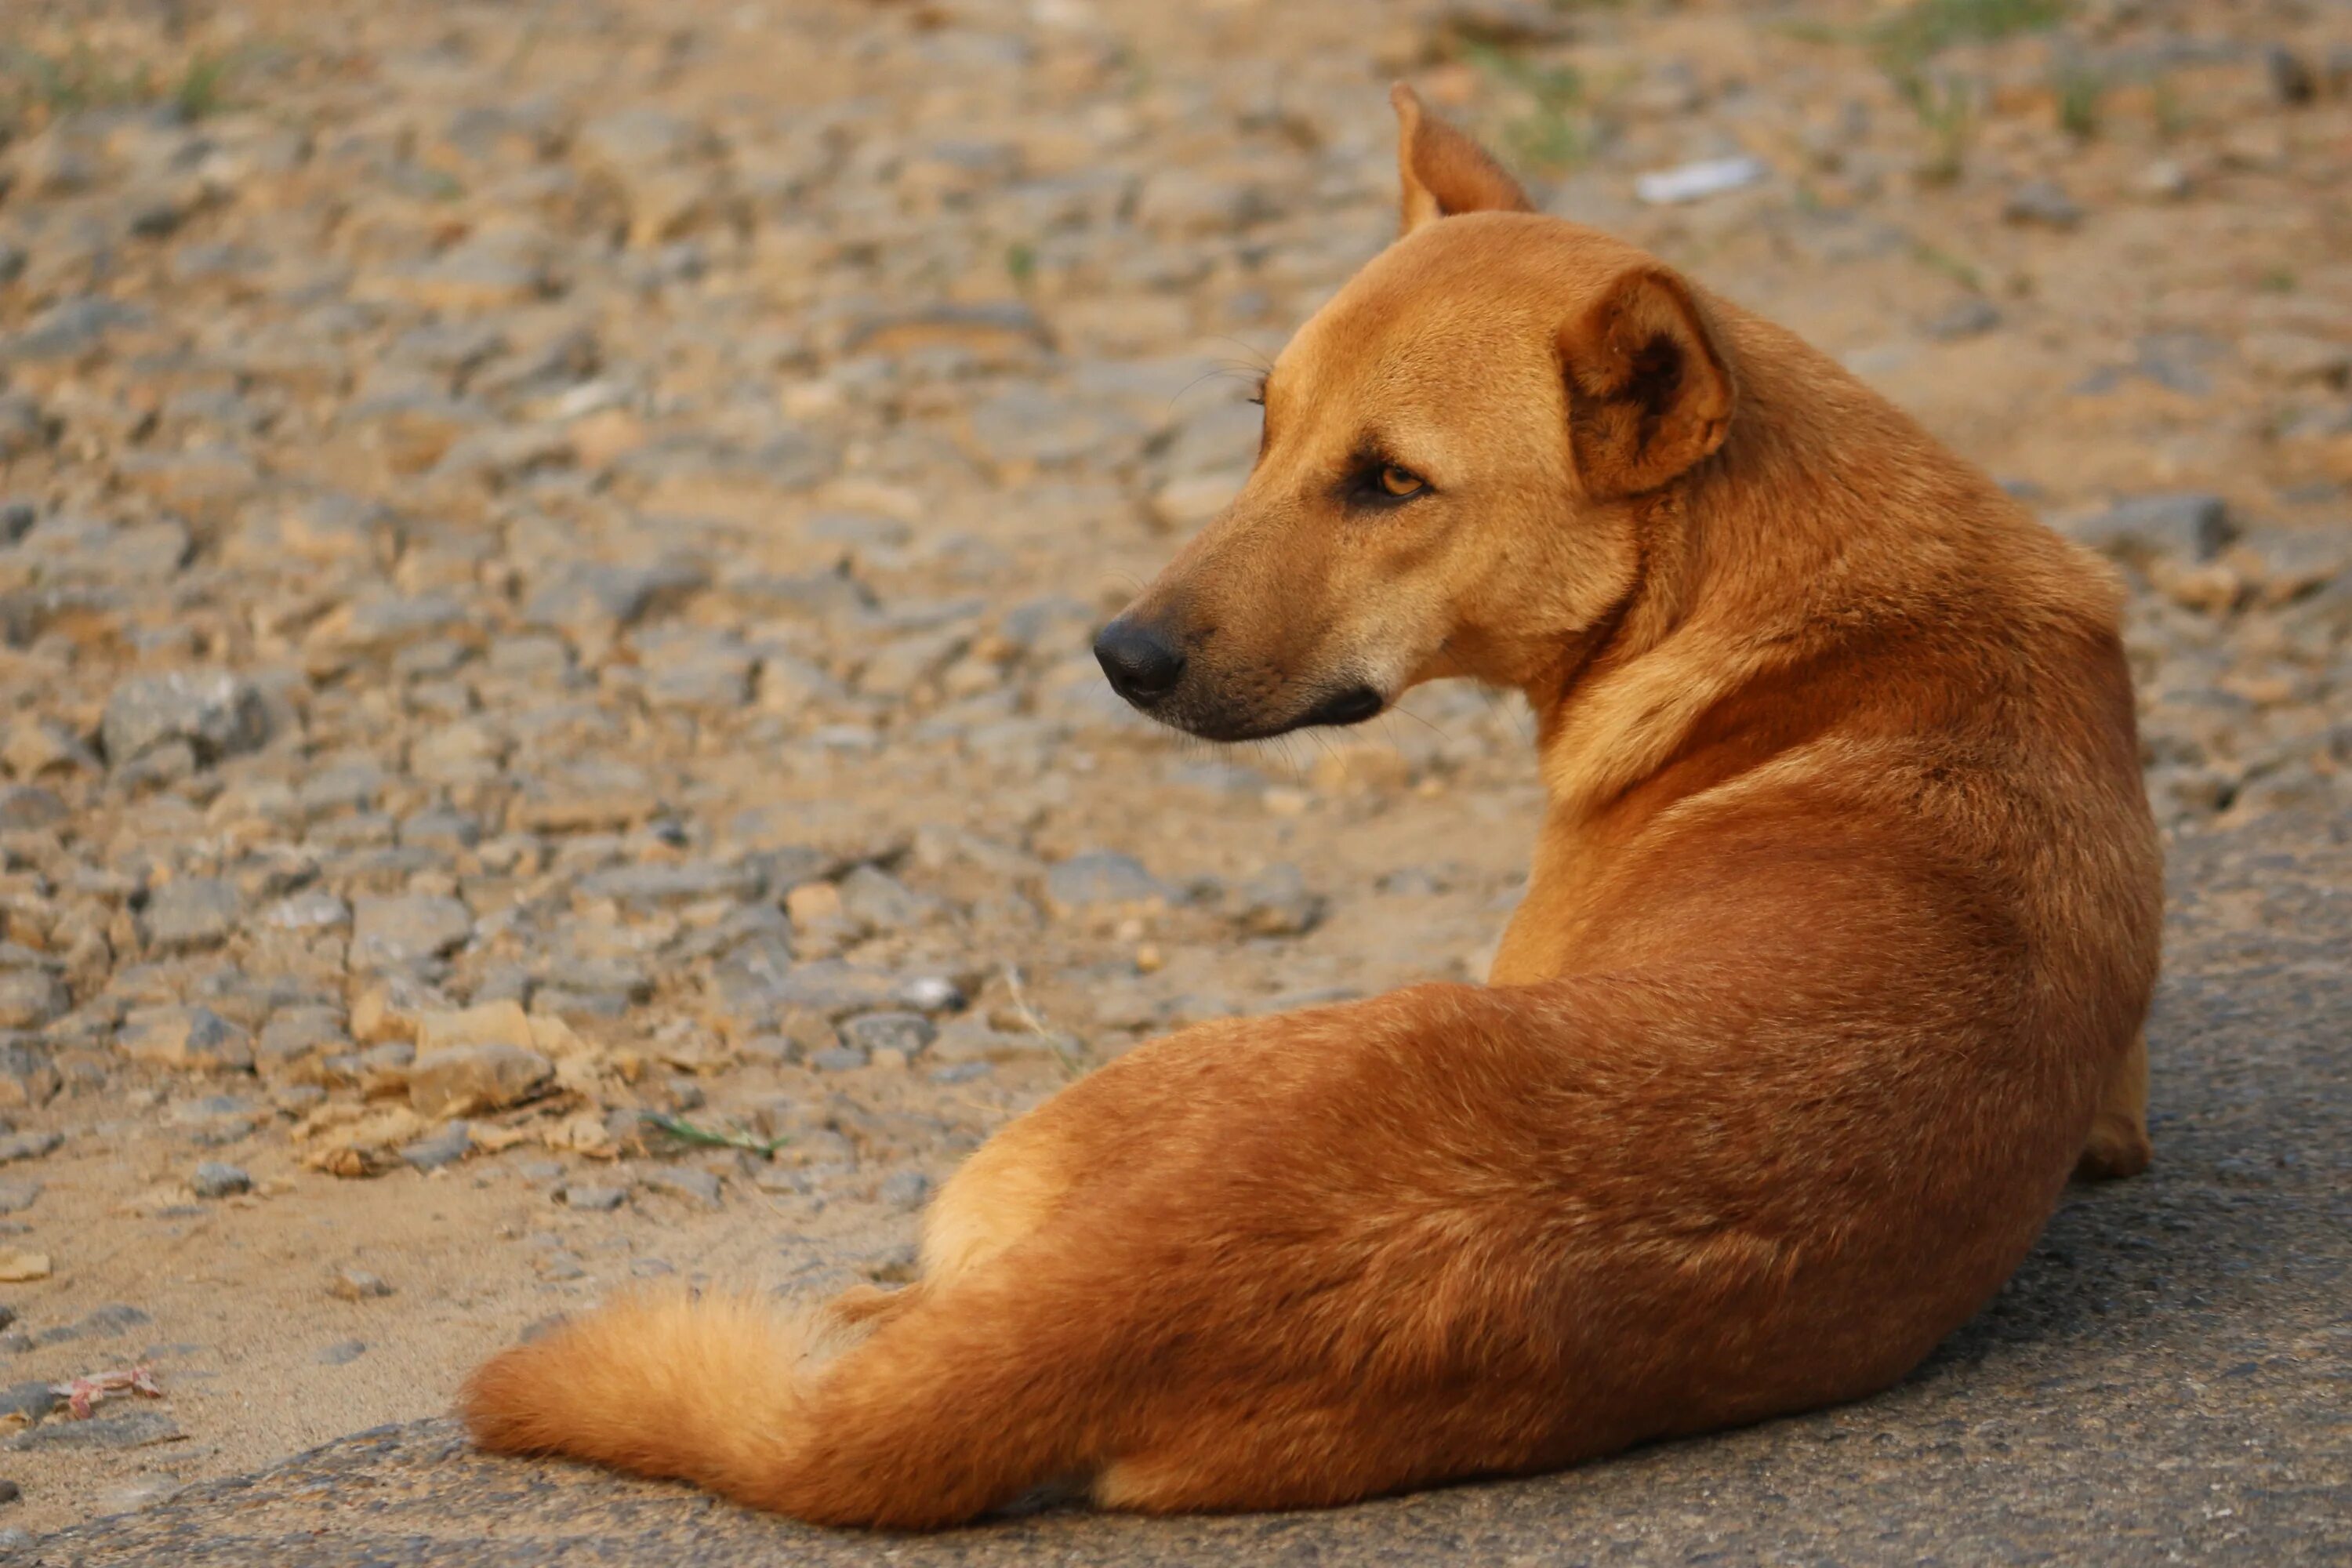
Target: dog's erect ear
x,y
1649,393
1445,172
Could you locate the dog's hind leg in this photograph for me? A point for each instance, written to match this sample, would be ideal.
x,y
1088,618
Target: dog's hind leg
x,y
1009,1188
2118,1144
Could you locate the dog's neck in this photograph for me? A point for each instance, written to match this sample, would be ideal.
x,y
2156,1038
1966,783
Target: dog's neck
x,y
1771,551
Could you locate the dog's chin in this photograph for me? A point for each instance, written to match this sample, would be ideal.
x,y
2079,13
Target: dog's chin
x,y
1346,705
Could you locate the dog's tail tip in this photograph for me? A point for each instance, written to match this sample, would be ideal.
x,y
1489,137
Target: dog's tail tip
x,y
665,1384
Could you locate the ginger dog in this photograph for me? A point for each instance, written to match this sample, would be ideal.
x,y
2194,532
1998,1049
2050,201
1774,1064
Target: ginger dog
x,y
1842,927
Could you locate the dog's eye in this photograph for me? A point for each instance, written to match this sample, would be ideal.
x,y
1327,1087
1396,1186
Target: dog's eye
x,y
1399,483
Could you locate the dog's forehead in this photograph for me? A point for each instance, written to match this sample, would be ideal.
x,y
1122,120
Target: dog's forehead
x,y
1448,308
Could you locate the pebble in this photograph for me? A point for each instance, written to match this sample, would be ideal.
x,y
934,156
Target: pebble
x,y
191,915
400,932
31,997
215,1180
1971,315
356,1285
120,1426
559,1267
343,1353
1103,878
217,713
30,1399
905,1033
1276,902
185,1037
593,1199
2042,201
17,1146
905,1190
686,1182
445,1147
113,1322
26,807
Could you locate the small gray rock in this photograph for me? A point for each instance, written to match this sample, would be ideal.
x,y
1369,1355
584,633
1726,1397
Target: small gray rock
x,y
294,1033
593,1200
112,1320
396,933
215,1179
18,1146
561,1266
26,806
192,913
30,1399
356,1285
445,1147
879,902
905,1190
313,908
130,1427
2043,202
662,885
1276,903
31,997
185,1037
1101,878
71,328
343,1353
905,1033
1966,317
686,1182
831,987
216,713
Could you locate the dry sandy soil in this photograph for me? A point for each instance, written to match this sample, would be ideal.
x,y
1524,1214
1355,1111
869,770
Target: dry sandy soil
x,y
547,555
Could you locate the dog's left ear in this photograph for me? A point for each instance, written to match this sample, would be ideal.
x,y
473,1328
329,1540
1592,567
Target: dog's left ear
x,y
1442,171
1649,392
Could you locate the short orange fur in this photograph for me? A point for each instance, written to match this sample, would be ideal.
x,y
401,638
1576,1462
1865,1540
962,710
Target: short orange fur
x,y
1840,930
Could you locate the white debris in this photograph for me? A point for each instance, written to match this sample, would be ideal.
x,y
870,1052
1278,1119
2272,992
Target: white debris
x,y
1695,181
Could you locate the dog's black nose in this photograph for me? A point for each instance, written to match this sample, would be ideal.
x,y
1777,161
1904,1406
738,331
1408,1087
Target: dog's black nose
x,y
1142,665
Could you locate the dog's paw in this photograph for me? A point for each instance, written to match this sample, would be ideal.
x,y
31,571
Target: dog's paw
x,y
2118,1149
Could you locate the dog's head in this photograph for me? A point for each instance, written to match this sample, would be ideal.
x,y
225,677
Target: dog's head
x,y
1457,453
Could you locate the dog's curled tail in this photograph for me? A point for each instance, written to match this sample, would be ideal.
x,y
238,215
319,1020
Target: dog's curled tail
x,y
777,1408
709,1390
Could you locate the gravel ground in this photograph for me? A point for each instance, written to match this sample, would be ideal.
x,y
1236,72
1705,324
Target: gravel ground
x,y
546,561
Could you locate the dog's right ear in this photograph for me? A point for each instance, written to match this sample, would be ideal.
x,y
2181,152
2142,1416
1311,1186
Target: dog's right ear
x,y
1443,172
1649,390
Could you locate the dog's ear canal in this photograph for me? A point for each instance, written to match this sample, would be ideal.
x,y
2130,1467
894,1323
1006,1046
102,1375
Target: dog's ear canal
x,y
1649,391
1443,172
